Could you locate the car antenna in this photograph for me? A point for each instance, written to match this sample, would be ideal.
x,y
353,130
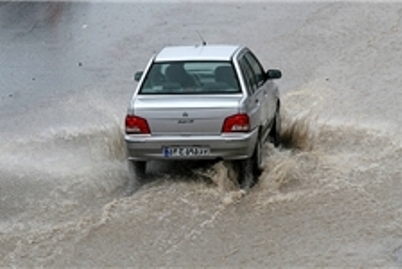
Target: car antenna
x,y
202,39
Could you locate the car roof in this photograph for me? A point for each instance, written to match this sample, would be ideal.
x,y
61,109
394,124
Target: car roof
x,y
197,53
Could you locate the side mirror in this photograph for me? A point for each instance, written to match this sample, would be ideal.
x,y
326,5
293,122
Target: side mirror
x,y
138,76
273,74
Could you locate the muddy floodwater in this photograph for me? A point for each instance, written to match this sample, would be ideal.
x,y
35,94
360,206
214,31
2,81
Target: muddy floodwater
x,y
329,196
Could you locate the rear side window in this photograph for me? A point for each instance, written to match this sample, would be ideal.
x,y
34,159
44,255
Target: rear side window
x,y
196,77
259,75
248,75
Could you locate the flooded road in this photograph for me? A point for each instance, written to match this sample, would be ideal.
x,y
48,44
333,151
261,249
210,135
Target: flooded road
x,y
329,197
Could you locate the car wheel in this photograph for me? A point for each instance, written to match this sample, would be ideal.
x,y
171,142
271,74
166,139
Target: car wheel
x,y
275,133
137,171
258,161
250,169
245,173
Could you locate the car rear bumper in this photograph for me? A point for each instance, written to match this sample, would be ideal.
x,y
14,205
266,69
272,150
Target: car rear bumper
x,y
232,146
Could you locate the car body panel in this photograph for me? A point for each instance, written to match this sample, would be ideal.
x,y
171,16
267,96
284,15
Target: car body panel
x,y
188,114
225,146
198,53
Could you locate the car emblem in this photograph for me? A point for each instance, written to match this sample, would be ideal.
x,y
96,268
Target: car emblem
x,y
186,120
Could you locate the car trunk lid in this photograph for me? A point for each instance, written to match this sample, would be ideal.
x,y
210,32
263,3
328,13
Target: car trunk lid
x,y
186,115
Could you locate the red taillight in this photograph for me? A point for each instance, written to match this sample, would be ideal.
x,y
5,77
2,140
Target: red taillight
x,y
236,123
136,125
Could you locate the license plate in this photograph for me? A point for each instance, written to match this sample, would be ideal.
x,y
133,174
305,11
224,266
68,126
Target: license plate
x,y
185,151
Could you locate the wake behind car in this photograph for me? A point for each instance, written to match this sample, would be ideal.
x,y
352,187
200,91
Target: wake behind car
x,y
205,102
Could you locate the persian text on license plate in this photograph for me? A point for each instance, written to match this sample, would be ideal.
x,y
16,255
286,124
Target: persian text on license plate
x,y
185,151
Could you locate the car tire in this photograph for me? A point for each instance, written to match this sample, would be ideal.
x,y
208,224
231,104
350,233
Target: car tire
x,y
137,171
275,133
250,169
258,160
245,173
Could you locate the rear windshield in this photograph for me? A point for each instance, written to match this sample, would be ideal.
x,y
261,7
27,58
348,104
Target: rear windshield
x,y
191,78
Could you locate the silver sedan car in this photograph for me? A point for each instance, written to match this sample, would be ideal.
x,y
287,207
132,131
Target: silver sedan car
x,y
205,102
